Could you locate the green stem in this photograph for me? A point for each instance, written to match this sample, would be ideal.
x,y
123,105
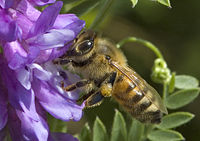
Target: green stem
x,y
165,91
101,14
144,42
147,130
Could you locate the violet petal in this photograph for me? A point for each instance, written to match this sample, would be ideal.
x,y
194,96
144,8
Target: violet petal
x,y
46,19
63,20
9,30
14,125
76,26
6,3
62,137
3,106
15,54
33,129
18,96
23,76
54,38
2,134
60,107
28,10
40,73
42,2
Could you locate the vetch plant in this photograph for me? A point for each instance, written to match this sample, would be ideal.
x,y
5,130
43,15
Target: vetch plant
x,y
33,105
30,84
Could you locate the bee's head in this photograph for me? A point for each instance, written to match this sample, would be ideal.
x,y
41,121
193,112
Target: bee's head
x,y
83,44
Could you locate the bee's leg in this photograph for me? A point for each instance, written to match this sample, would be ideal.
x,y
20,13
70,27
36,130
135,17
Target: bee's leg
x,y
62,61
107,84
76,85
94,100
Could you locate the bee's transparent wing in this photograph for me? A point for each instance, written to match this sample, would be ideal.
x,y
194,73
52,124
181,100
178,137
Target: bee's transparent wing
x,y
149,92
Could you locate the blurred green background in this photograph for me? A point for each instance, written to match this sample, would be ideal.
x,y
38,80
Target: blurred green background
x,y
175,31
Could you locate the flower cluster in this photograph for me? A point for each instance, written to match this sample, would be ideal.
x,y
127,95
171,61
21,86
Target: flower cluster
x,y
29,82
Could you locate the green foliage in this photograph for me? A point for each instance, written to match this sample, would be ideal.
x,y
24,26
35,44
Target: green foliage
x,y
186,82
99,131
165,135
119,132
181,98
136,131
81,7
85,134
164,2
56,125
134,2
172,83
160,72
175,119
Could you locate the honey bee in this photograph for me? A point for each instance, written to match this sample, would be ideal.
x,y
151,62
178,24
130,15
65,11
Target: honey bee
x,y
106,73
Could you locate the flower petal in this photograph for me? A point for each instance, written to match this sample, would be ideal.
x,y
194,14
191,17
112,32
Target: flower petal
x,y
2,134
9,30
28,10
76,26
62,137
19,97
40,73
60,107
65,19
15,54
24,23
3,106
46,19
23,76
33,129
6,3
14,125
42,2
54,38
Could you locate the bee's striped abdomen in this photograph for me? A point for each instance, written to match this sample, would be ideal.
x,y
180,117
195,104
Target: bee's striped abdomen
x,y
135,101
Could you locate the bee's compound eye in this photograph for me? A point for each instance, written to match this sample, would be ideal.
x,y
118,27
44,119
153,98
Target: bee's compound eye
x,y
85,46
108,57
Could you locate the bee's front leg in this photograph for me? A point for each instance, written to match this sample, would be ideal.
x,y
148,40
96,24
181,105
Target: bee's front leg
x,y
76,85
62,61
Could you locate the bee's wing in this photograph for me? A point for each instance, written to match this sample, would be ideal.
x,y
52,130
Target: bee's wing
x,y
149,92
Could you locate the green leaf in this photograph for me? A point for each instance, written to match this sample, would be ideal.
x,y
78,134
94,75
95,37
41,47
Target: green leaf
x,y
136,131
181,98
165,2
186,82
81,7
99,131
172,83
165,135
56,125
175,119
85,134
119,132
134,2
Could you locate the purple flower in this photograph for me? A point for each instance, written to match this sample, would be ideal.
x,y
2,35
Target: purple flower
x,y
29,82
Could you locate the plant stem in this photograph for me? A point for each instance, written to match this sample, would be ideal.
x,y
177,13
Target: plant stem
x,y
102,12
165,91
144,42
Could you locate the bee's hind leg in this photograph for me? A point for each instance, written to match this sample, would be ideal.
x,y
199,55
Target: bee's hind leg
x,y
92,99
76,85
